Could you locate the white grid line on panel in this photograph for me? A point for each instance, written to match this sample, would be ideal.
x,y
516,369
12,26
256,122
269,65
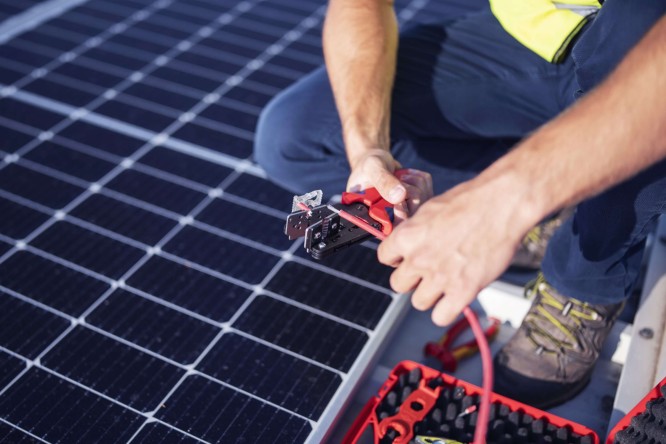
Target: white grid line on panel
x,y
189,369
22,429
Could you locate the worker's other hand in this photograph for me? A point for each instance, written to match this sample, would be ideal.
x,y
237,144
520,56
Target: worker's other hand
x,y
455,245
407,189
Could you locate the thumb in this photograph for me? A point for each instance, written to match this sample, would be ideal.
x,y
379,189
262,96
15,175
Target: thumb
x,y
390,187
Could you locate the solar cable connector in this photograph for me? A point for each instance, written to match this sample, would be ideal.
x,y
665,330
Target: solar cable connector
x,y
327,229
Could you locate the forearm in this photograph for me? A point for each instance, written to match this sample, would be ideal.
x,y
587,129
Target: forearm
x,y
360,45
610,135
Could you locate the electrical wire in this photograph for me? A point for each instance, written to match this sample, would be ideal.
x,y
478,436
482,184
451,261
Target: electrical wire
x,y
487,363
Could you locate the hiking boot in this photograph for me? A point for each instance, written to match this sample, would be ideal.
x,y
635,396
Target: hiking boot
x,y
550,358
534,244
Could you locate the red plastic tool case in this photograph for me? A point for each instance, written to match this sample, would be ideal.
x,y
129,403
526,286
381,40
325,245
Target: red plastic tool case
x,y
655,393
368,419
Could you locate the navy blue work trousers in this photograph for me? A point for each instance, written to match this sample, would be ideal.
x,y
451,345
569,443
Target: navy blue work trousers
x,y
465,92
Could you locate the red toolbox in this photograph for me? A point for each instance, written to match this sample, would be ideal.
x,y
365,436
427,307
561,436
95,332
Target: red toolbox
x,y
418,401
646,422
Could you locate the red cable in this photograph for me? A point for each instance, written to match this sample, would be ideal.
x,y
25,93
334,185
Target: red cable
x,y
484,348
303,206
486,361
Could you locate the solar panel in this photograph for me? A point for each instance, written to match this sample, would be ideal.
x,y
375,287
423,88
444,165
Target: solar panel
x,y
147,293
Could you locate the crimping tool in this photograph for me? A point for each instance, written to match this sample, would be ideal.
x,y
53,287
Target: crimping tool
x,y
330,228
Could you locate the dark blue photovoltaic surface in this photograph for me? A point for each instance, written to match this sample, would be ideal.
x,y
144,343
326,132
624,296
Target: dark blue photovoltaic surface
x,y
27,329
160,329
331,343
332,295
223,255
58,286
147,292
91,250
233,417
299,386
38,187
124,218
189,288
10,367
134,378
18,221
60,411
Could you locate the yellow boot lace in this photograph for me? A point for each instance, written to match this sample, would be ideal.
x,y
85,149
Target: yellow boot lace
x,y
572,310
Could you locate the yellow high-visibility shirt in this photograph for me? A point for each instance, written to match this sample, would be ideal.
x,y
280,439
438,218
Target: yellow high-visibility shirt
x,y
544,26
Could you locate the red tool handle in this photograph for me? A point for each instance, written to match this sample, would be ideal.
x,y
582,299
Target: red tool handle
x,y
377,206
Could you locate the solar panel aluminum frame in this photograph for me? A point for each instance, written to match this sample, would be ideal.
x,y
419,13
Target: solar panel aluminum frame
x,y
359,372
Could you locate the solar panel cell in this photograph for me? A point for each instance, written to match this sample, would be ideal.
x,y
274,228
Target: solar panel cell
x,y
298,64
61,411
125,219
26,329
158,28
15,436
271,78
162,330
58,286
156,191
216,140
182,76
9,75
246,222
58,91
22,55
74,163
156,433
98,253
185,20
249,96
326,292
4,247
139,41
74,27
101,138
189,167
79,72
221,42
223,255
303,332
361,263
219,65
10,367
22,112
126,60
261,191
135,115
189,288
17,220
126,374
38,187
231,116
50,41
291,382
157,95
220,414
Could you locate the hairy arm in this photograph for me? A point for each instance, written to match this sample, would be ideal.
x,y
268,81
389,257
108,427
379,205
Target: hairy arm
x,y
610,135
360,45
360,48
613,133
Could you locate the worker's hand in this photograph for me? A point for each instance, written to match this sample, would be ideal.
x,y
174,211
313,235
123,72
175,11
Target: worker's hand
x,y
455,245
407,189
